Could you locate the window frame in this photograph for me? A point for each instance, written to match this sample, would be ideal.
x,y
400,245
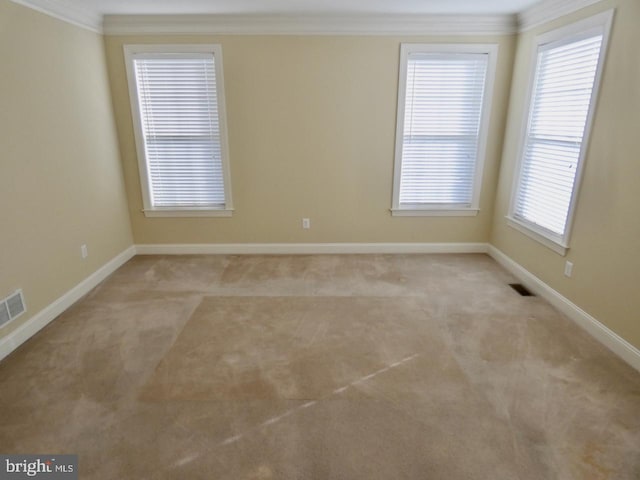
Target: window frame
x,y
130,53
490,49
597,24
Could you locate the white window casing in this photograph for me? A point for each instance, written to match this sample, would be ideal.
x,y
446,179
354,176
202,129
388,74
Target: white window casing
x,y
444,105
178,110
562,98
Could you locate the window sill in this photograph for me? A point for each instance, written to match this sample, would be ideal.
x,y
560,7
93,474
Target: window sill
x,y
551,243
196,212
434,212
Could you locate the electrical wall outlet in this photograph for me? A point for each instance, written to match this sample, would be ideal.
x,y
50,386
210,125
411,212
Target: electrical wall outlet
x,y
84,251
306,223
568,269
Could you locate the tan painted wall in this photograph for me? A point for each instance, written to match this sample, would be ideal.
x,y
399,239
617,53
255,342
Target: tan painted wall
x,y
606,232
60,176
311,131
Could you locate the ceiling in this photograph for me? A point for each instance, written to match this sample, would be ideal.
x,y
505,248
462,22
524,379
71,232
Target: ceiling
x,y
149,7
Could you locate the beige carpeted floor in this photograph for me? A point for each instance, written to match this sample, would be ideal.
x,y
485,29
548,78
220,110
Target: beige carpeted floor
x,y
321,367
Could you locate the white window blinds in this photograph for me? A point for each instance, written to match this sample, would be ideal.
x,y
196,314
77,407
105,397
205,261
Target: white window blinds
x,y
442,115
180,123
560,103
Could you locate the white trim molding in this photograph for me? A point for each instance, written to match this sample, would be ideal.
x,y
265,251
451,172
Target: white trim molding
x,y
595,328
215,85
444,212
45,316
245,24
172,212
473,53
68,12
530,231
606,336
306,248
549,10
599,24
396,24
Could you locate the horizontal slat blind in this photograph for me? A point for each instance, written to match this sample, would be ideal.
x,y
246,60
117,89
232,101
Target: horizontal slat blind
x,y
559,109
443,106
180,123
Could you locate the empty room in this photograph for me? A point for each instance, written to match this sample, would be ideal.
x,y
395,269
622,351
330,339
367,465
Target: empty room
x,y
320,239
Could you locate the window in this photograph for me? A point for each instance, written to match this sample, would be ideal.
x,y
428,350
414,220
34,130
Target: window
x,y
443,115
563,95
177,102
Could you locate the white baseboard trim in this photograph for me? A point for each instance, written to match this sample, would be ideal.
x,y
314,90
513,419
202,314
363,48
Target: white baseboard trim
x,y
600,332
307,248
41,319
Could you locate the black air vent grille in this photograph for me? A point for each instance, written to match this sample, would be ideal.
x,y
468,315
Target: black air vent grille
x,y
521,289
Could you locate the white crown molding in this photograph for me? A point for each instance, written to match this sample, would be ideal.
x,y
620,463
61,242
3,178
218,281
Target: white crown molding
x,y
244,24
83,18
306,248
596,329
45,316
548,10
423,25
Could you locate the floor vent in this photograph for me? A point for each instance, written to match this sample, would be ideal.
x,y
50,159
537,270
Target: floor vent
x,y
521,289
11,307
